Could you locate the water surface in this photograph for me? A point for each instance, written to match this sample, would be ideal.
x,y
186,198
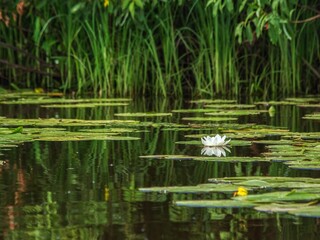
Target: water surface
x,y
89,189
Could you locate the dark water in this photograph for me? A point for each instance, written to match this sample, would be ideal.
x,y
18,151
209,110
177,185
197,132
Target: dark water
x,y
89,189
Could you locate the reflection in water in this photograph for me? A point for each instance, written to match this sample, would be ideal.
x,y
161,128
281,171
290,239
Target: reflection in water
x,y
90,189
217,151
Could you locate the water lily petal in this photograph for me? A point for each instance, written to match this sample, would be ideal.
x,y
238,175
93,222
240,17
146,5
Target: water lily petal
x,y
215,141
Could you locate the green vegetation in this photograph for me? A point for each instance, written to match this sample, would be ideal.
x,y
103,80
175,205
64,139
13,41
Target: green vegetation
x,y
268,194
78,172
161,48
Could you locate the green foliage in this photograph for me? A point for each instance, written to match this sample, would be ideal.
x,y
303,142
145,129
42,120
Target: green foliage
x,y
129,47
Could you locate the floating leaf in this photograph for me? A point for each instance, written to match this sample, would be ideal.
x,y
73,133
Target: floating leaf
x,y
61,122
235,113
215,204
228,106
309,211
281,207
171,157
85,105
230,159
200,110
314,116
143,114
210,119
41,101
217,101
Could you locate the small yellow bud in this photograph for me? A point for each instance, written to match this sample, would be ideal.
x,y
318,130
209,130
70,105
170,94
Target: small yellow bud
x,y
241,192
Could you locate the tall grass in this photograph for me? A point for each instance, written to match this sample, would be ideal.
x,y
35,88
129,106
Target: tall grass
x,y
164,48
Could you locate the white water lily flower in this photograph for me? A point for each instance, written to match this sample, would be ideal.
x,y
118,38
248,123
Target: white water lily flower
x,y
217,151
214,141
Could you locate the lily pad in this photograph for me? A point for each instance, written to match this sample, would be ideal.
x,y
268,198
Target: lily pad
x,y
61,122
309,105
201,188
281,207
231,159
41,101
308,211
141,114
236,113
230,106
216,101
199,110
271,142
275,103
169,157
85,105
293,196
314,116
303,100
215,204
209,119
112,130
279,180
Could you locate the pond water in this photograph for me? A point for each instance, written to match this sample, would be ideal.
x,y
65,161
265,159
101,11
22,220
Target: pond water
x,y
91,189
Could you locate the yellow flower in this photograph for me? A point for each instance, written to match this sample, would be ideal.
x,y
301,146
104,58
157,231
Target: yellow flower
x,y
241,192
106,3
106,194
38,90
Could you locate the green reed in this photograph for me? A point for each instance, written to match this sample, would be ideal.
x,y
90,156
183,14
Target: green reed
x,y
203,47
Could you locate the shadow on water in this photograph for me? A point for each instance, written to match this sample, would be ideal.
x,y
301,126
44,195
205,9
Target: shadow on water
x,y
89,189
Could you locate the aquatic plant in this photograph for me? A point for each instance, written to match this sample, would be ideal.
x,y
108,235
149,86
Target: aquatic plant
x,y
161,48
215,141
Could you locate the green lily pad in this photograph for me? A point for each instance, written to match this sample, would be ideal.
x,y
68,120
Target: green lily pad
x,y
309,105
61,122
273,142
308,211
209,119
275,103
81,137
112,130
293,196
236,113
85,105
169,157
204,188
143,114
231,159
303,100
281,207
266,131
267,179
216,101
313,165
314,116
254,183
285,159
200,110
230,106
215,204
41,101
